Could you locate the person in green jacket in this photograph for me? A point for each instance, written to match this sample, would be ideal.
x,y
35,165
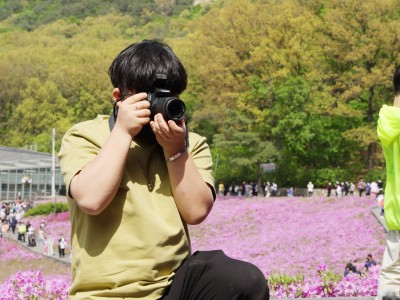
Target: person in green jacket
x,y
21,232
389,135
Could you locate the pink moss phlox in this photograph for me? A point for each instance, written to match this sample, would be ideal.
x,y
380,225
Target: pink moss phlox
x,y
12,251
321,286
310,236
31,285
292,235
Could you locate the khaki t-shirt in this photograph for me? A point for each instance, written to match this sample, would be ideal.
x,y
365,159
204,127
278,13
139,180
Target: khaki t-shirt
x,y
132,248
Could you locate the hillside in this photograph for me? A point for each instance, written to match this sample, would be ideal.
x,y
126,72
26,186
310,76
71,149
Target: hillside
x,y
295,83
29,15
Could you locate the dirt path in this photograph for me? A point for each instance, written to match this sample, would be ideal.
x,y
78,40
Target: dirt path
x,y
39,248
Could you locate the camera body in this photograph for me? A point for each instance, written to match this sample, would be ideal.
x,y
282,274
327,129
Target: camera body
x,y
161,101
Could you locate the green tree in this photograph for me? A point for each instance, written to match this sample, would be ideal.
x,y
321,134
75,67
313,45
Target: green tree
x,y
41,109
360,43
294,82
240,151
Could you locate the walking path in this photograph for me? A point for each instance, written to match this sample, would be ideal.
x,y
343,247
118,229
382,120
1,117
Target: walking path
x,y
376,211
39,248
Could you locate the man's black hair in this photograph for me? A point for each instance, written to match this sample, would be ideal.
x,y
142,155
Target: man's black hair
x,y
396,81
135,68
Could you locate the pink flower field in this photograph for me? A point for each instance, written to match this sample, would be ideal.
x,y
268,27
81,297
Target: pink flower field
x,y
301,245
293,235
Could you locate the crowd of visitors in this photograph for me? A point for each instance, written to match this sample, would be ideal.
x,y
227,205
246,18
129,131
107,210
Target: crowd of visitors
x,y
268,189
351,267
349,188
11,214
14,224
248,189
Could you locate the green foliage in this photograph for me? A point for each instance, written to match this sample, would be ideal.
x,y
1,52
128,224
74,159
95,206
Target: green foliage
x,y
298,83
375,174
240,150
29,15
46,209
275,279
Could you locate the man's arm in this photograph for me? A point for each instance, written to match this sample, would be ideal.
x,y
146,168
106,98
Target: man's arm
x,y
94,187
193,196
96,184
396,101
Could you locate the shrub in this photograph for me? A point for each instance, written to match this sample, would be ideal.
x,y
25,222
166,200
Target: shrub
x,y
47,208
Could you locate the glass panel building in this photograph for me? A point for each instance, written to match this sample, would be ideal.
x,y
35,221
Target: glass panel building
x,y
27,175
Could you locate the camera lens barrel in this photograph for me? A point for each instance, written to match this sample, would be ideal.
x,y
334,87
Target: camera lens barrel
x,y
171,108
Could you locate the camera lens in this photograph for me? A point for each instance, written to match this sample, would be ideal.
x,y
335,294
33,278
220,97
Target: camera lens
x,y
170,107
175,108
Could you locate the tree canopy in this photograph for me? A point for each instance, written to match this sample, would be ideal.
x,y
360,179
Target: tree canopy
x,y
298,83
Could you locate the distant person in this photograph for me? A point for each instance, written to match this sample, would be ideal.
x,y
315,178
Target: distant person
x,y
233,189
274,190
345,188
328,189
310,189
249,189
221,189
254,189
361,187
267,189
352,188
367,189
31,236
389,135
4,228
374,188
42,225
226,189
50,246
369,262
351,269
290,192
13,222
338,189
380,185
381,203
41,236
21,231
61,247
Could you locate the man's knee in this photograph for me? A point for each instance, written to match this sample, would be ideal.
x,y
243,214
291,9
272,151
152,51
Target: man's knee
x,y
252,282
242,277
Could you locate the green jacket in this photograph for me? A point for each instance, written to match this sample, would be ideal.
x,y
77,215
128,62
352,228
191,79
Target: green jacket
x,y
22,229
389,135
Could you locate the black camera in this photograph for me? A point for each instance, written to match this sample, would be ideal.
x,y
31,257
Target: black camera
x,y
161,101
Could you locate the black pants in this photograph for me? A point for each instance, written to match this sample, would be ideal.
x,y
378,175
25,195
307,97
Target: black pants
x,y
211,275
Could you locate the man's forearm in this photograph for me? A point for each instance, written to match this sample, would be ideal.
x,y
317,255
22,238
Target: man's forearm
x,y
192,195
396,101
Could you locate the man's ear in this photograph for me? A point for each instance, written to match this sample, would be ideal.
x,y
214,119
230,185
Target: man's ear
x,y
116,94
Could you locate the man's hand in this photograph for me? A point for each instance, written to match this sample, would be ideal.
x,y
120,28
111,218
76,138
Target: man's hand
x,y
133,114
170,135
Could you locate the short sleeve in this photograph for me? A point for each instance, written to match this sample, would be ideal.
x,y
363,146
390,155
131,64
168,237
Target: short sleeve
x,y
201,155
79,146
